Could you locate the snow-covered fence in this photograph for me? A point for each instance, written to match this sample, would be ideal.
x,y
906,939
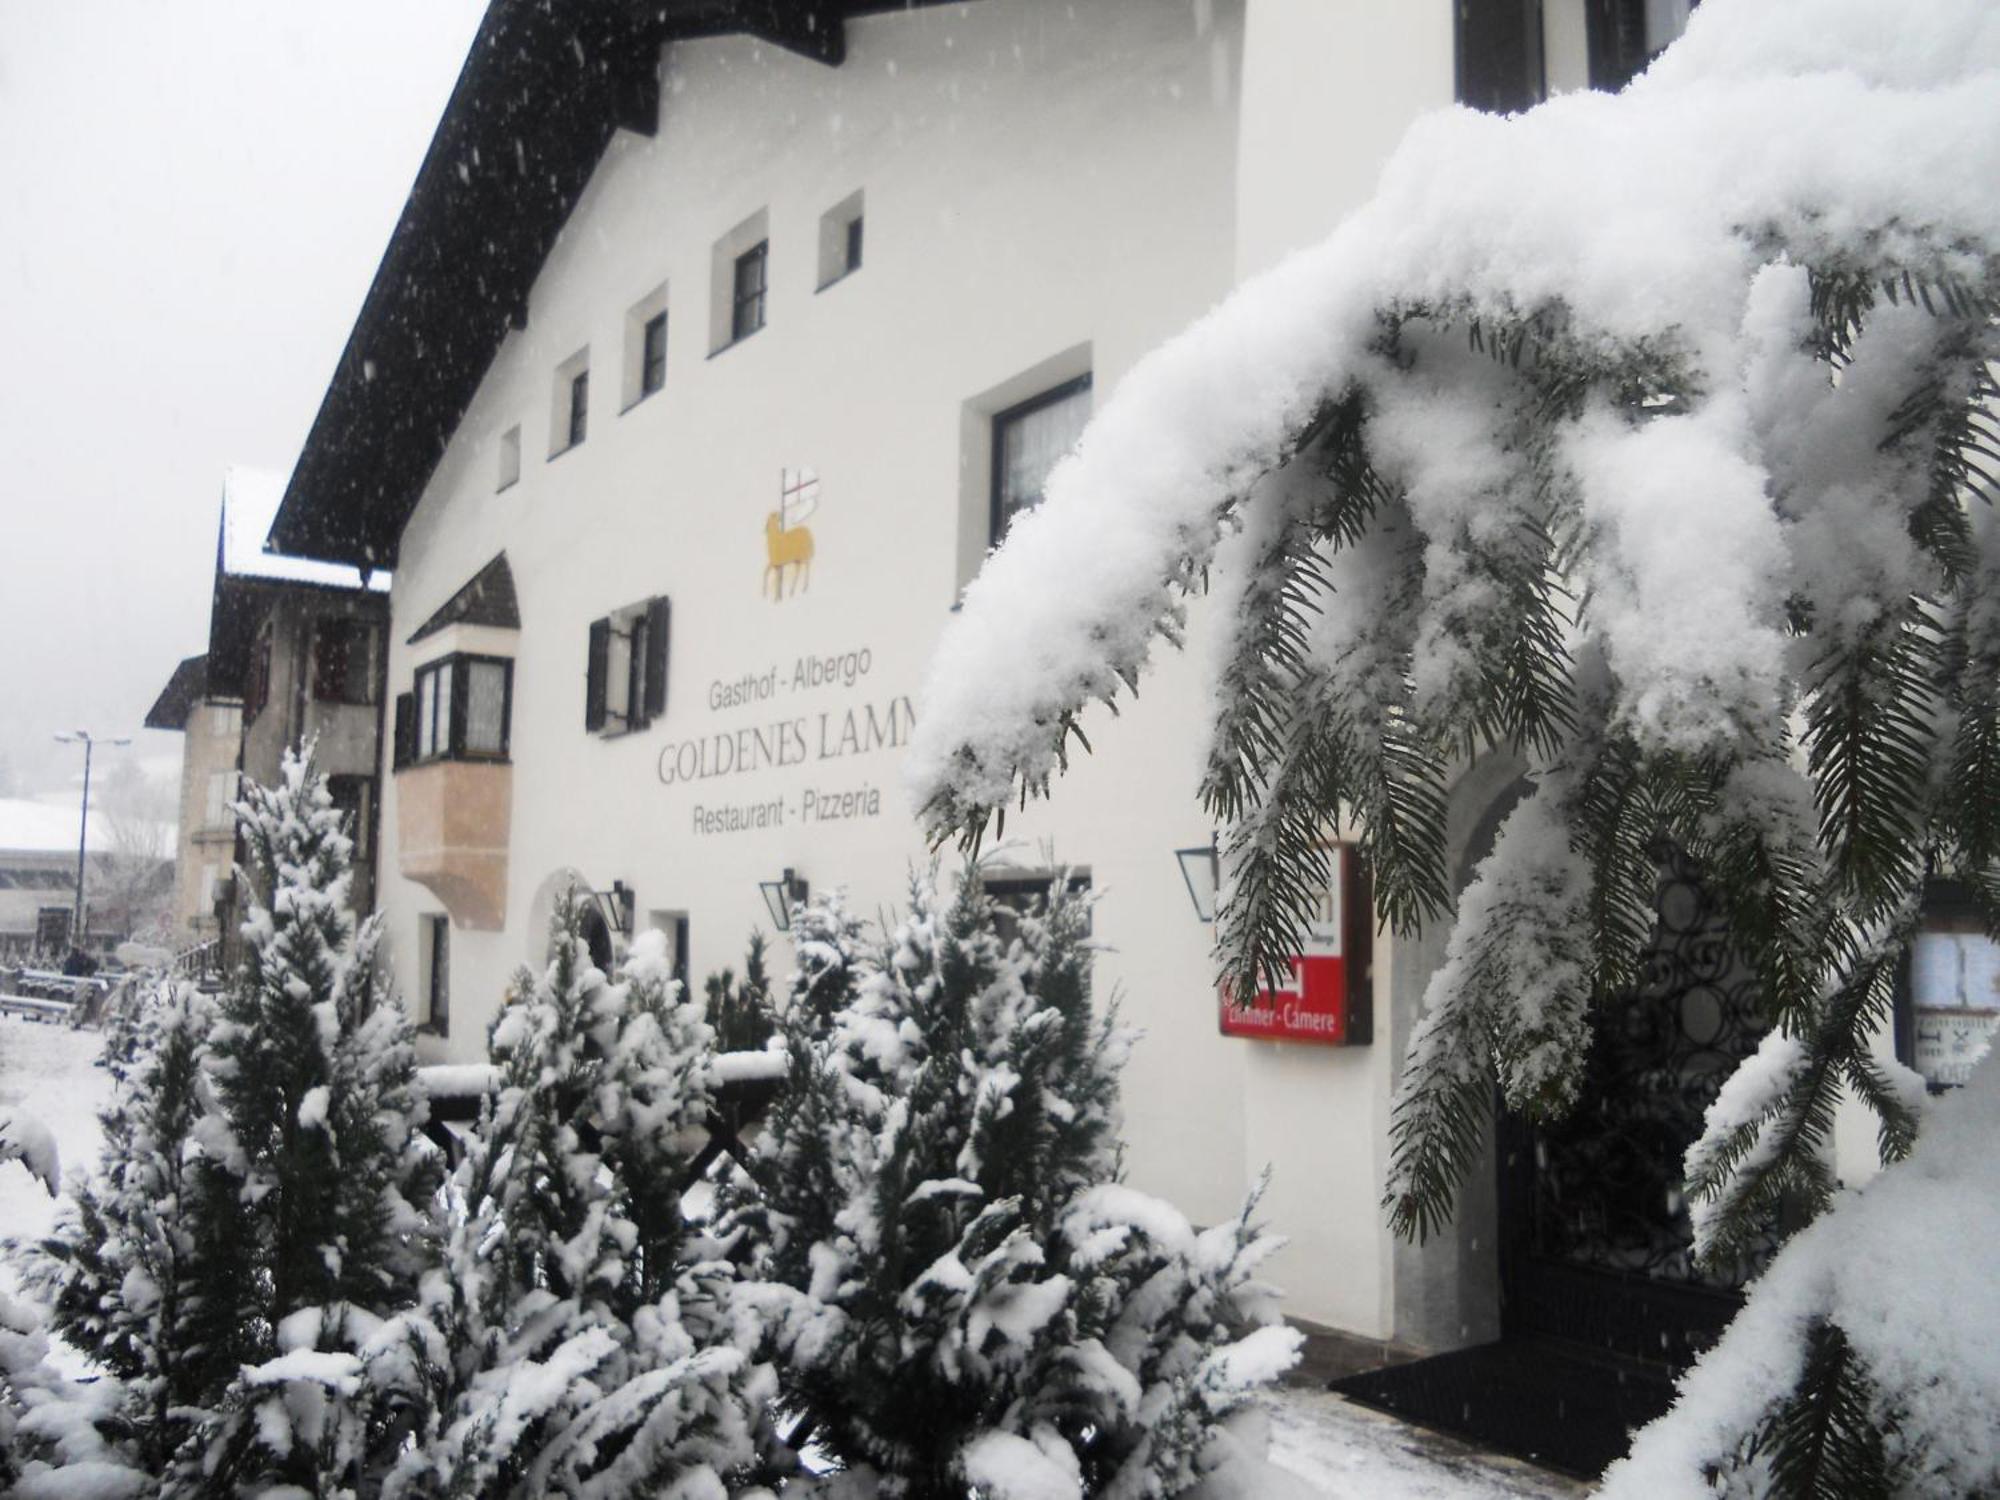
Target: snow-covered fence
x,y
34,1008
745,1085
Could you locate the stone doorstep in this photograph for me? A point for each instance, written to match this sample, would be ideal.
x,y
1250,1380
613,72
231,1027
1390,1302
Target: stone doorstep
x,y
1330,1354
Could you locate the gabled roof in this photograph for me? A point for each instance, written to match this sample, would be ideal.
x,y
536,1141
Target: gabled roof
x,y
250,499
543,88
488,599
186,688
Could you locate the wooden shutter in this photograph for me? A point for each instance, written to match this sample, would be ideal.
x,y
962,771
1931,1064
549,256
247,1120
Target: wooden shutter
x,y
1500,54
596,674
659,626
329,661
405,744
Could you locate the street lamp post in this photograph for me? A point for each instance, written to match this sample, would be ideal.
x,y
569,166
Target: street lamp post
x,y
83,737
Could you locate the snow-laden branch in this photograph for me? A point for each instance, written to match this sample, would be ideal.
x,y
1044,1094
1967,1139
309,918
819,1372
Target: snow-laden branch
x,y
1677,217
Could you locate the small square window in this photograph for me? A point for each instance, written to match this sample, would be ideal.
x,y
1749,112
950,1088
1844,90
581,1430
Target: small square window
x,y
510,457
840,240
739,282
747,304
579,407
645,363
569,411
1028,441
653,354
343,661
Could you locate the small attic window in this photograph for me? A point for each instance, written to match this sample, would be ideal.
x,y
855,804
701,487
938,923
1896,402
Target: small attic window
x,y
569,415
840,240
510,458
645,348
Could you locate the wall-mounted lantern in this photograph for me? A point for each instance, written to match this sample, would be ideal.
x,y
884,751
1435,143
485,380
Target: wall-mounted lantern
x,y
1201,869
617,905
1949,1008
781,895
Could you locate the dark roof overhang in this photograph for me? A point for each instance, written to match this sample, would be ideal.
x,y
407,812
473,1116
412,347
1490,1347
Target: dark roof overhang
x,y
187,687
488,599
545,85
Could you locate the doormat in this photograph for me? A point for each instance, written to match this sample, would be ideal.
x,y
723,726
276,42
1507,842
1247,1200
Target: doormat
x,y
1552,1403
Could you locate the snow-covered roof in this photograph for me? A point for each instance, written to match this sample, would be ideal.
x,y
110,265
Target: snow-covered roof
x,y
249,501
29,827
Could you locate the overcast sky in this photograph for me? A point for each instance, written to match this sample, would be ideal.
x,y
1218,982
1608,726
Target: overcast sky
x,y
193,198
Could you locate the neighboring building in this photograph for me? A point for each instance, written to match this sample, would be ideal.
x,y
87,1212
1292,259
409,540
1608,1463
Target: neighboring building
x,y
711,355
205,851
296,653
38,882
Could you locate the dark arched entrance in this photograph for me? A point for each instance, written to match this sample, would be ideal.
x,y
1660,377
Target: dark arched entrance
x,y
1601,1301
595,932
1595,1247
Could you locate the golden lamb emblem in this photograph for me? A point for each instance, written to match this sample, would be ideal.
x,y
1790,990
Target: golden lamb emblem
x,y
788,543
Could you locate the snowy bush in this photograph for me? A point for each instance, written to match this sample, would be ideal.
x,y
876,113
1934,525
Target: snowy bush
x,y
577,1339
1650,437
740,1014
961,1295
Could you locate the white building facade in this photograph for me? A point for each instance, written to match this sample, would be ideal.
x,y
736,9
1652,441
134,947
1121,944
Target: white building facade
x,y
664,590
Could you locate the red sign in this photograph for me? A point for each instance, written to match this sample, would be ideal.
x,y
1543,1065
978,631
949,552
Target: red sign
x,y
1327,999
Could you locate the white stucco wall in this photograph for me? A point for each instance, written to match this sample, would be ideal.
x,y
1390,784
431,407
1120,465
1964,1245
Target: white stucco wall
x,y
1048,188
1044,185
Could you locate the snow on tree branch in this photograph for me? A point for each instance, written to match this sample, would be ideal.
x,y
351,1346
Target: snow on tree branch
x,y
1908,1379
1639,220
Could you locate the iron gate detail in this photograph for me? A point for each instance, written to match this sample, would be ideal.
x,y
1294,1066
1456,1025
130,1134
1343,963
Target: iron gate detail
x,y
1596,1246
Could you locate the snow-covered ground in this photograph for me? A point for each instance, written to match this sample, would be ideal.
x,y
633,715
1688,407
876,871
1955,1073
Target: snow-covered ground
x,y
1340,1451
49,1072
1347,1451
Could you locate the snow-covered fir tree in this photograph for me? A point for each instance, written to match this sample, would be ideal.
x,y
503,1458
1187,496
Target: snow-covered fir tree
x,y
740,1013
133,1270
577,1340
315,1133
961,1293
1669,470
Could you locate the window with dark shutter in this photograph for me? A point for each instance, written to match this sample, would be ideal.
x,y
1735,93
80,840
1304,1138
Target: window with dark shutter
x,y
1626,35
437,984
405,743
659,627
653,355
597,675
750,282
343,661
1028,441
1500,54
461,709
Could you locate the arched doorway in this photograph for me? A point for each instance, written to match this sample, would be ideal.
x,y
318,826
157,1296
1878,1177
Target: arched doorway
x,y
1600,1303
595,932
1595,1246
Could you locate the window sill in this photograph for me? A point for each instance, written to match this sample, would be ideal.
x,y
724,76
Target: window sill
x,y
503,488
640,400
738,343
452,760
556,453
827,286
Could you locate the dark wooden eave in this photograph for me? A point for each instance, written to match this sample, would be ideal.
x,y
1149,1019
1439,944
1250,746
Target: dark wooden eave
x,y
544,87
177,699
488,599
